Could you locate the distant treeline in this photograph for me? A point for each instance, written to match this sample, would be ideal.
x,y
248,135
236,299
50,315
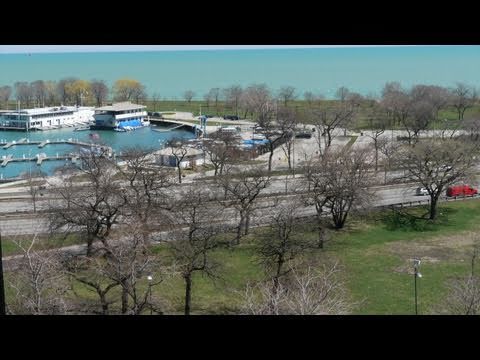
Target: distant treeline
x,y
419,101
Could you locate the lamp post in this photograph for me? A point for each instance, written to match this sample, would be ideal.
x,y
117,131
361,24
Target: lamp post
x,y
2,289
150,278
416,273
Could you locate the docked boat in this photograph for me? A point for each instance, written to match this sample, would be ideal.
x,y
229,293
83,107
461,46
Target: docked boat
x,y
83,128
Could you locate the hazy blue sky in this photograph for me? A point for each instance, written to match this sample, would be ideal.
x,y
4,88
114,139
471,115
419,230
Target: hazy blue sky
x,y
87,48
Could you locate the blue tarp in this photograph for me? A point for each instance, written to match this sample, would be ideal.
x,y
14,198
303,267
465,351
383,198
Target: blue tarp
x,y
255,142
132,123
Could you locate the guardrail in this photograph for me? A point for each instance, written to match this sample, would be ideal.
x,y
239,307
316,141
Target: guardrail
x,y
427,201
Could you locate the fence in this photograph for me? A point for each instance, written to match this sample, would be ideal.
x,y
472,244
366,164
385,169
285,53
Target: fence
x,y
407,204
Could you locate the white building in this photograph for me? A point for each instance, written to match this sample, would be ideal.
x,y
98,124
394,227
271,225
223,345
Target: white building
x,y
46,118
193,157
121,116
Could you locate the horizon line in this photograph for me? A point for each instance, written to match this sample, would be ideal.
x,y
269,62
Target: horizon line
x,y
30,49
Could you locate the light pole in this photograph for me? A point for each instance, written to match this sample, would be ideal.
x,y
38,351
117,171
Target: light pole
x,y
416,273
150,278
2,289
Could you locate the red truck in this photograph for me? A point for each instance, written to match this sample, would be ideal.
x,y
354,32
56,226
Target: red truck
x,y
461,190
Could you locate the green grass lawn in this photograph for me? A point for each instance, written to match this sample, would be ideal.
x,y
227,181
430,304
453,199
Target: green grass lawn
x,y
376,260
10,247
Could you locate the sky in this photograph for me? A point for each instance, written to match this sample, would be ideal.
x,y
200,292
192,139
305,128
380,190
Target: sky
x,y
11,49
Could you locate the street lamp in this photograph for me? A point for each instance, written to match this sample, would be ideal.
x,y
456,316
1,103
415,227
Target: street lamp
x,y
416,273
2,288
150,278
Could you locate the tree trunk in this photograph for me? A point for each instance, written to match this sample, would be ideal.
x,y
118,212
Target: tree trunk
x,y
188,293
433,207
247,224
320,235
103,301
270,158
124,298
329,138
239,228
179,174
89,245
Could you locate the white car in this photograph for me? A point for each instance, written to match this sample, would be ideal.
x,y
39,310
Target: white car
x,y
422,191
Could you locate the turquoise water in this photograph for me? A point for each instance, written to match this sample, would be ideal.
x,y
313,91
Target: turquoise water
x,y
170,73
144,138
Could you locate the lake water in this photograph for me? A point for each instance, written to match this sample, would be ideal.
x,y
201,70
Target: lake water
x,y
144,138
323,70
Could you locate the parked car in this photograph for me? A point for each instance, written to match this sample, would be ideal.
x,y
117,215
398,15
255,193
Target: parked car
x,y
461,190
231,117
303,135
421,191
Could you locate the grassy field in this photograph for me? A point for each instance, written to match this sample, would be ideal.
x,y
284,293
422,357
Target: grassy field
x,y
376,258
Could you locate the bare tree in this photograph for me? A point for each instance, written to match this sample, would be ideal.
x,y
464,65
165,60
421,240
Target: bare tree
x,y
179,150
90,271
222,150
24,93
287,121
283,243
307,292
330,117
39,92
242,191
34,187
462,98
139,94
233,96
278,125
389,149
92,208
464,292
257,100
286,94
99,91
342,93
378,122
50,93
473,127
147,191
129,262
436,164
5,93
62,90
39,284
200,228
188,96
214,95
339,182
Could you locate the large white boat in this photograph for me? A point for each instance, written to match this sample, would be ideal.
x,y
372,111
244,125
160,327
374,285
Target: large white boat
x,y
46,118
124,115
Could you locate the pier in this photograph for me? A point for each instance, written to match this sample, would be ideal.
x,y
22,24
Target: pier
x,y
41,144
11,143
40,158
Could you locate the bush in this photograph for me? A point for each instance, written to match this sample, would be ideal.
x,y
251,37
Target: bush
x,y
406,222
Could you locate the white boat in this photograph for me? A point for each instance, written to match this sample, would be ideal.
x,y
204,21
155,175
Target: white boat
x,y
119,130
82,128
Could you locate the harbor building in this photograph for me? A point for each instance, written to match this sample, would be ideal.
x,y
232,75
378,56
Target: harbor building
x,y
193,157
46,118
121,116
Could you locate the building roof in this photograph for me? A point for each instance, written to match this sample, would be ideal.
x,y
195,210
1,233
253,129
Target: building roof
x,y
121,106
46,110
190,151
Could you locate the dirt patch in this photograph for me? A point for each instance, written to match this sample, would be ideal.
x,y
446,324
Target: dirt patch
x,y
456,247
